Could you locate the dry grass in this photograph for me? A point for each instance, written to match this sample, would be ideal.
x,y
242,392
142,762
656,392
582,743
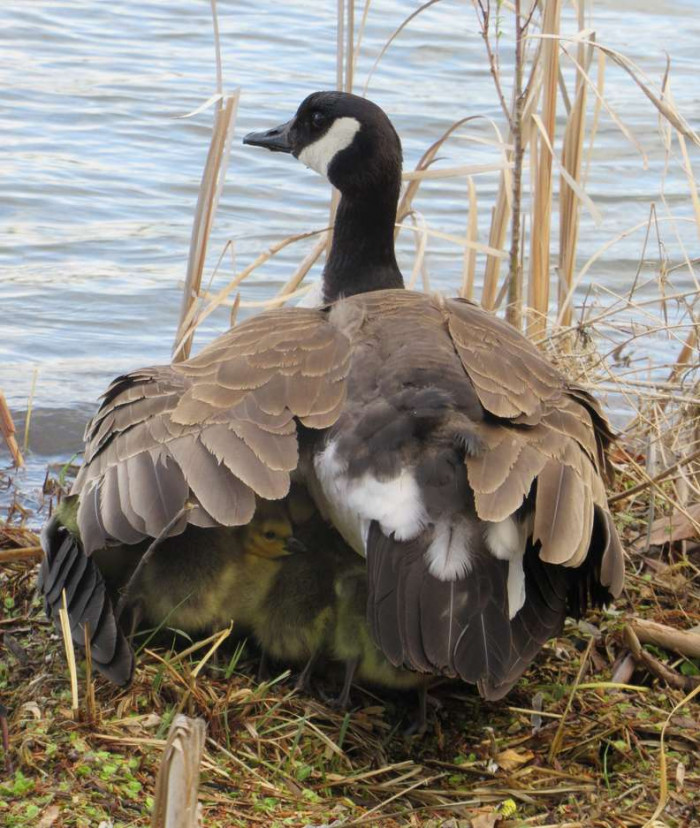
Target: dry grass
x,y
577,743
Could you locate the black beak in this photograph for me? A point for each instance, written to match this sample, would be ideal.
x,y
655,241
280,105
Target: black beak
x,y
276,139
294,545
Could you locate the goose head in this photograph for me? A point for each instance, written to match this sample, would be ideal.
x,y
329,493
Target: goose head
x,y
351,142
345,138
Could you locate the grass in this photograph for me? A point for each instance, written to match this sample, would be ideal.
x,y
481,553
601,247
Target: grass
x,y
577,743
601,731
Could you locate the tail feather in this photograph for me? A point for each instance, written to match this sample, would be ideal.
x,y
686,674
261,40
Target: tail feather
x,y
84,593
382,601
52,577
65,567
484,646
104,635
462,628
412,570
455,628
121,664
547,587
73,575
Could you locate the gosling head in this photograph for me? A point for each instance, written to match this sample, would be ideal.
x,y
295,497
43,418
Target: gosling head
x,y
270,534
347,139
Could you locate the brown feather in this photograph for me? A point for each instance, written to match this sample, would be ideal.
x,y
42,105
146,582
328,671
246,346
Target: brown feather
x,y
225,498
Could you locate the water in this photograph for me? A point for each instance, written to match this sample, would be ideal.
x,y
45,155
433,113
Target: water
x,y
99,174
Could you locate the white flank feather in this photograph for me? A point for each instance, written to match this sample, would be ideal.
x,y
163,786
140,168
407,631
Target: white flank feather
x,y
449,554
516,586
354,502
395,503
507,540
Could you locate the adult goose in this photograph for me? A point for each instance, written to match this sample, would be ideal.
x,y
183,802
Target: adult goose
x,y
437,439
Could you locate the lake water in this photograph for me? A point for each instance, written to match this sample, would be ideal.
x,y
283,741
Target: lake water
x,y
99,174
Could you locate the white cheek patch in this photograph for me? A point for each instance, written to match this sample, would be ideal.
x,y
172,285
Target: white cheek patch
x,y
319,155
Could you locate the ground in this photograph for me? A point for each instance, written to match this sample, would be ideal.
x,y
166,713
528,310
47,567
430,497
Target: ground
x,y
591,757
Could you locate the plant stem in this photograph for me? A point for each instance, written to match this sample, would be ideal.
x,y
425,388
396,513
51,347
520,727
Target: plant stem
x,y
515,282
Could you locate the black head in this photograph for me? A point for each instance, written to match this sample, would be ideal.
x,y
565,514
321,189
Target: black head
x,y
344,137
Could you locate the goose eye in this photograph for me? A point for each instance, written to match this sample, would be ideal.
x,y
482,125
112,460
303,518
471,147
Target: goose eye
x,y
270,535
318,119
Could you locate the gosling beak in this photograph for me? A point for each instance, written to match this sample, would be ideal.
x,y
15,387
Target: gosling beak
x,y
275,139
294,545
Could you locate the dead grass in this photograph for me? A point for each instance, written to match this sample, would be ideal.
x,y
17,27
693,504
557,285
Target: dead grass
x,y
577,743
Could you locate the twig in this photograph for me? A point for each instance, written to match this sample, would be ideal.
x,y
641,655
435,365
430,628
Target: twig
x,y
5,739
23,553
30,404
680,641
645,484
559,735
70,654
515,298
485,11
656,667
90,706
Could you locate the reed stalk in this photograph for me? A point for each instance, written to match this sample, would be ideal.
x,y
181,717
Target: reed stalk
x,y
210,190
502,213
572,157
538,288
7,429
469,259
515,273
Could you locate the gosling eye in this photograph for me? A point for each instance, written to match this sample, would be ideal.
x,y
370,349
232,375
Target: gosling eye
x,y
318,119
270,535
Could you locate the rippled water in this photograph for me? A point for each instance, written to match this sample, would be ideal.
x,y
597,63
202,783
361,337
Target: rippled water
x,y
99,175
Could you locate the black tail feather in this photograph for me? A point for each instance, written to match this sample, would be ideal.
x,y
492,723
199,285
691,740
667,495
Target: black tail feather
x,y
382,601
66,567
462,628
541,617
454,628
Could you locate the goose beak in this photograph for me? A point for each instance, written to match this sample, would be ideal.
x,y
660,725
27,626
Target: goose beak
x,y
276,139
294,545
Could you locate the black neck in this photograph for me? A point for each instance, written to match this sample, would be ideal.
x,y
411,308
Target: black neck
x,y
362,255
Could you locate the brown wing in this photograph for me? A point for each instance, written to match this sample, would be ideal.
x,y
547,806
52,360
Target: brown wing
x,y
215,430
555,436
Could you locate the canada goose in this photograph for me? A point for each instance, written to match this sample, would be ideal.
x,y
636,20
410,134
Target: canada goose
x,y
294,621
436,438
352,644
200,581
196,582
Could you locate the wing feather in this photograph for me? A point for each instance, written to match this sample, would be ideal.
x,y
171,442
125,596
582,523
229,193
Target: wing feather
x,y
219,428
